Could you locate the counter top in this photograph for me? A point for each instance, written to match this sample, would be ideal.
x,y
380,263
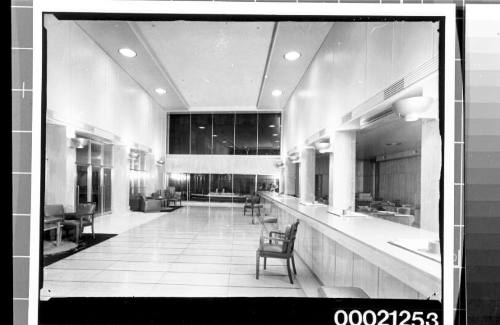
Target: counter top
x,y
369,237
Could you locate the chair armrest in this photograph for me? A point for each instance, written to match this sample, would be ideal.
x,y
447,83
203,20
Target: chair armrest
x,y
279,233
276,238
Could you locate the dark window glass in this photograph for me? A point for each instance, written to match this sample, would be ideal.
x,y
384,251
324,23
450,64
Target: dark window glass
x,y
246,134
269,134
321,177
179,134
96,153
297,180
244,185
199,187
82,152
267,182
221,187
223,135
108,155
201,134
180,182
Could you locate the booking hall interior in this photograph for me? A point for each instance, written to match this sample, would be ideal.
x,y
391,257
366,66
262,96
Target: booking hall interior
x,y
188,158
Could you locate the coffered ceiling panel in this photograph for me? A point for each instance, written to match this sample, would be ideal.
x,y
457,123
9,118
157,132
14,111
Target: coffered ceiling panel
x,y
305,38
215,65
143,68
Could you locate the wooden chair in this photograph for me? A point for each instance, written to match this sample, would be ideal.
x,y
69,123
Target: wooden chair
x,y
83,217
250,203
53,219
278,245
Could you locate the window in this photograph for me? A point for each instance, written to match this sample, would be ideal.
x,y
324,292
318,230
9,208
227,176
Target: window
x,y
199,187
201,134
266,182
246,134
179,134
269,135
244,185
223,134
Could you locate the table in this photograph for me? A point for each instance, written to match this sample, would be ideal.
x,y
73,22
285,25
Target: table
x,y
52,222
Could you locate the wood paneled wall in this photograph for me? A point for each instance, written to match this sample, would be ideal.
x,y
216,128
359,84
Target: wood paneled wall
x,y
399,179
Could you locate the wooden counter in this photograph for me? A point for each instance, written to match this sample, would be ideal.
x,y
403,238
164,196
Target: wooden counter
x,y
355,250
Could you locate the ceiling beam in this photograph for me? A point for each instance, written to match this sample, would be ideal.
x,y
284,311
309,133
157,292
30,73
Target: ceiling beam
x,y
268,59
160,67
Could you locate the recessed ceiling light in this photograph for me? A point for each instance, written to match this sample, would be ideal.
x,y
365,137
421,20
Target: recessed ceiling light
x,y
292,55
275,134
214,135
127,52
277,92
160,91
224,141
201,127
272,126
276,140
393,144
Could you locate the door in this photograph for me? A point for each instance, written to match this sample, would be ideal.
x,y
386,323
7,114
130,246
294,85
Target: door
x,y
96,194
106,195
82,184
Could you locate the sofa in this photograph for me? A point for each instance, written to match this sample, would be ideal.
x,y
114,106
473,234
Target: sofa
x,y
144,203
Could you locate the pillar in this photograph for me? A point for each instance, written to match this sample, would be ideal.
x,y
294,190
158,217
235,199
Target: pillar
x,y
289,177
281,180
343,172
307,168
430,162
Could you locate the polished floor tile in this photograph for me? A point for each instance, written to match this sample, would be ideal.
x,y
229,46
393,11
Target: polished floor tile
x,y
195,251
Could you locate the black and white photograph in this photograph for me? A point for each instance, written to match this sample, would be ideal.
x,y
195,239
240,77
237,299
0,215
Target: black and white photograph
x,y
242,158
209,150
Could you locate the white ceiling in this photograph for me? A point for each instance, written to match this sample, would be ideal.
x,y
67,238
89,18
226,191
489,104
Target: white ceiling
x,y
372,142
212,65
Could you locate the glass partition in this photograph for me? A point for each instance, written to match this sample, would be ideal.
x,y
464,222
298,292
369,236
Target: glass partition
x,y
246,134
269,134
243,185
221,187
180,182
179,134
321,177
201,134
199,186
223,134
267,183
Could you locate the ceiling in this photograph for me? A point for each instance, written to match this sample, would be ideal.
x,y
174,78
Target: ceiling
x,y
212,65
373,141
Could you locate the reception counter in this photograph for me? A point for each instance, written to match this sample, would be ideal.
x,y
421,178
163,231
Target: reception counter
x,y
356,250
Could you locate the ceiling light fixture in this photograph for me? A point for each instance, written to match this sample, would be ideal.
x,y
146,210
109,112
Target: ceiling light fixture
x,y
277,93
201,127
160,91
410,108
275,134
127,52
292,55
214,135
272,126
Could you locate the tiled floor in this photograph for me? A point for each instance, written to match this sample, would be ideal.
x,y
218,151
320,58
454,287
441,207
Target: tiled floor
x,y
193,251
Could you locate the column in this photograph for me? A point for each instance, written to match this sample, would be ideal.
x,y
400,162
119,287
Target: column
x,y
281,186
307,167
430,164
343,172
289,173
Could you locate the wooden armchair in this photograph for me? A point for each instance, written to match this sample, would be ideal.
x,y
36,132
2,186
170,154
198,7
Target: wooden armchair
x,y
53,219
278,245
83,217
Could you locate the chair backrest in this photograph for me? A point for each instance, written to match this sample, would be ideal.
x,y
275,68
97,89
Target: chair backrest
x,y
87,208
171,190
255,199
290,234
54,210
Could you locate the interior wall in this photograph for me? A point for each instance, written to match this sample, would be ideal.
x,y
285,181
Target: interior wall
x,y
345,73
399,179
88,91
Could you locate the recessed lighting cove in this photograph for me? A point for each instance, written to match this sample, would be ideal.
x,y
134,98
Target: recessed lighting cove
x,y
292,55
127,52
160,91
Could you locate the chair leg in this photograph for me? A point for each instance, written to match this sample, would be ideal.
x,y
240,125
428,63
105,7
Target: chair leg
x,y
289,271
293,265
257,261
265,262
93,234
77,234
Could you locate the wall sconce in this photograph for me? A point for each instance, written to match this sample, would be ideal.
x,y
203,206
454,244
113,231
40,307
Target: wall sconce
x,y
323,146
410,108
160,162
78,143
133,154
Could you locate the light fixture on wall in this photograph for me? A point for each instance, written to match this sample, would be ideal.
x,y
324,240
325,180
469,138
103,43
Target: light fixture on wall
x,y
78,143
322,146
279,164
133,154
160,162
410,108
126,52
